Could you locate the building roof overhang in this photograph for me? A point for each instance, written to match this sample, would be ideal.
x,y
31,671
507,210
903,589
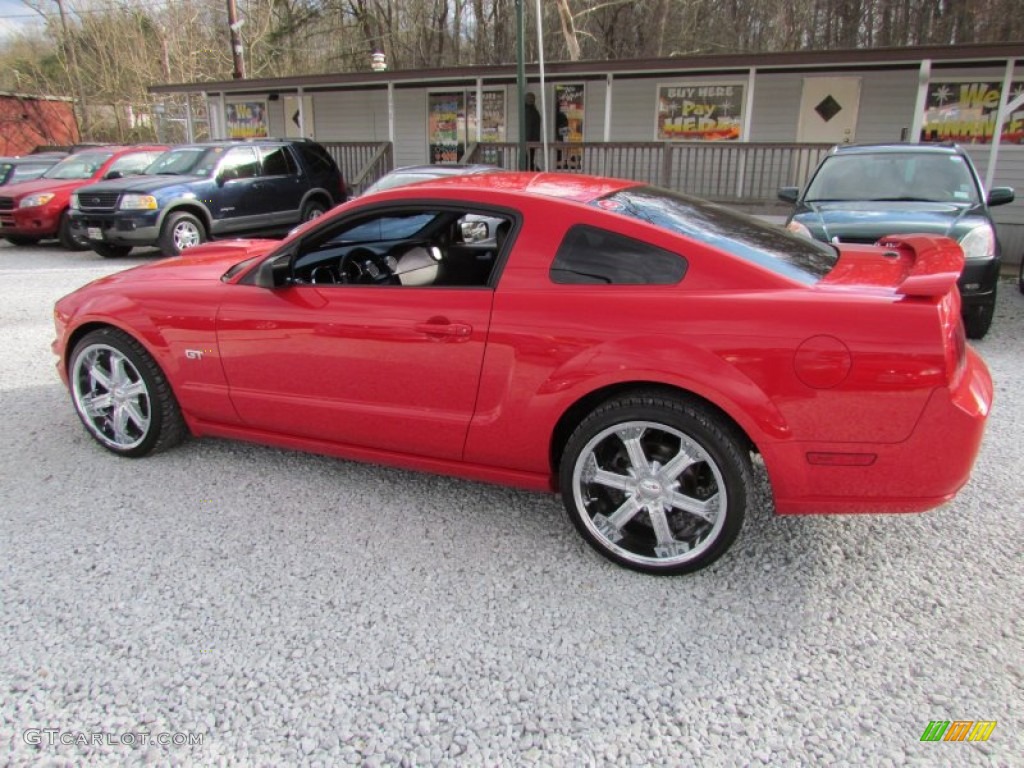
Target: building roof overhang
x,y
980,54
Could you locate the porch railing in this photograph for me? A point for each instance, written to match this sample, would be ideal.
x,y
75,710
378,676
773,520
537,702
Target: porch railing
x,y
361,162
737,173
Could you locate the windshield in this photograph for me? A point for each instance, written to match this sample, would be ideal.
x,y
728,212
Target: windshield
x,y
767,245
918,176
81,166
187,161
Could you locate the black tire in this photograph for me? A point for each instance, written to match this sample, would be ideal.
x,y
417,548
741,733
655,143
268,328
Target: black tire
x,y
111,251
313,209
68,240
180,232
978,319
113,379
667,434
18,240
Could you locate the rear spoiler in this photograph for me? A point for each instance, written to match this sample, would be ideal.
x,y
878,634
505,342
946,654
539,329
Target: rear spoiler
x,y
932,264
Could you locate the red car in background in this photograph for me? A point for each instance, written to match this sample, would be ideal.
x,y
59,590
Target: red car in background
x,y
35,210
625,345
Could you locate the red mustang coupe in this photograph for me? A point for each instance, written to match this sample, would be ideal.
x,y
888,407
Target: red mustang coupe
x,y
627,346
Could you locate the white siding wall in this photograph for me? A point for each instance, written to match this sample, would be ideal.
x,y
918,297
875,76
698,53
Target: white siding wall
x,y
351,116
410,126
275,117
776,107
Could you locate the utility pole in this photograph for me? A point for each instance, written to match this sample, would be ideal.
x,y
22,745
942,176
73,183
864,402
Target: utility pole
x,y
521,83
76,76
236,41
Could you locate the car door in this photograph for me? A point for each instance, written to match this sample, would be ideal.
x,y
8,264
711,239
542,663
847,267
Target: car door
x,y
235,199
389,367
280,188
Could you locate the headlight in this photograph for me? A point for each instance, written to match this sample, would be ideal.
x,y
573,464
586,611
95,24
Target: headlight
x,y
74,202
31,201
138,203
979,243
799,229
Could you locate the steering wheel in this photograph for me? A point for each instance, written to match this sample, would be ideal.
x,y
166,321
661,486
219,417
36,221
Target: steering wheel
x,y
364,267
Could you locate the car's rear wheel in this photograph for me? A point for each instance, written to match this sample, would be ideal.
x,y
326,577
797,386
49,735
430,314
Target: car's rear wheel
x,y
180,232
110,251
656,484
68,239
314,209
978,319
16,240
122,396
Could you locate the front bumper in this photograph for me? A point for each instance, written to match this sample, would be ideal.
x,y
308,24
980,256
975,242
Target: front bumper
x,y
120,228
922,472
38,221
977,282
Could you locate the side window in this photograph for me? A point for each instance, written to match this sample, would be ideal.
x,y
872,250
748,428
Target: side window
x,y
589,255
277,161
408,247
239,163
316,158
134,163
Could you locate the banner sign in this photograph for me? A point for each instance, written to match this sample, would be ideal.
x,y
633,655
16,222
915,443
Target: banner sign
x,y
492,114
965,112
446,126
700,112
569,111
246,119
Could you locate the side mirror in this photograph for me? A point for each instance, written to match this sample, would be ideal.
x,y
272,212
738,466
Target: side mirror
x,y
788,194
1000,196
273,273
114,175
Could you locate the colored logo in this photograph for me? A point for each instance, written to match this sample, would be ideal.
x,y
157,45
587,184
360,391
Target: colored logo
x,y
959,730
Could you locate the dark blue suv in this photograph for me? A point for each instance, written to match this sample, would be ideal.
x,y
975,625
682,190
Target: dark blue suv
x,y
196,192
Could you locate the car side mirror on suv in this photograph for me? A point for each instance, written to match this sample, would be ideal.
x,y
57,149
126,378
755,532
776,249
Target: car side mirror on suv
x,y
788,194
114,175
1000,196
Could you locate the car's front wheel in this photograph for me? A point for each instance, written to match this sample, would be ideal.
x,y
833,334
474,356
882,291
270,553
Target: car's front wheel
x,y
110,251
978,319
180,232
68,239
122,396
655,483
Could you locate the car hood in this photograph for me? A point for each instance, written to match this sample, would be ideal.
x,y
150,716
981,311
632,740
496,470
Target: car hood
x,y
204,262
140,183
866,222
23,188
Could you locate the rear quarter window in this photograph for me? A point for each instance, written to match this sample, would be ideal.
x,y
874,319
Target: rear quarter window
x,y
593,256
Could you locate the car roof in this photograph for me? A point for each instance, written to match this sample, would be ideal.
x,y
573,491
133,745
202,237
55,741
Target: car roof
x,y
565,186
875,149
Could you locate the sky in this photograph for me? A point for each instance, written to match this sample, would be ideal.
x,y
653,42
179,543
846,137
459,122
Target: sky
x,y
15,16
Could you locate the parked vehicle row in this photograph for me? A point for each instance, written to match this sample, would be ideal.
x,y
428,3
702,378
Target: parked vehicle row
x,y
112,199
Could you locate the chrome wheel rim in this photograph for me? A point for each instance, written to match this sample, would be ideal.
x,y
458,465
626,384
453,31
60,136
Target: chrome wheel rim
x,y
111,397
650,493
186,235
314,213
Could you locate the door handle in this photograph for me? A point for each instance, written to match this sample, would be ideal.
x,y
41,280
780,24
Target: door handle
x,y
458,331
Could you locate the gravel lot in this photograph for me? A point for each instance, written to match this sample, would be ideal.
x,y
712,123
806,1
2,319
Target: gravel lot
x,y
293,609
